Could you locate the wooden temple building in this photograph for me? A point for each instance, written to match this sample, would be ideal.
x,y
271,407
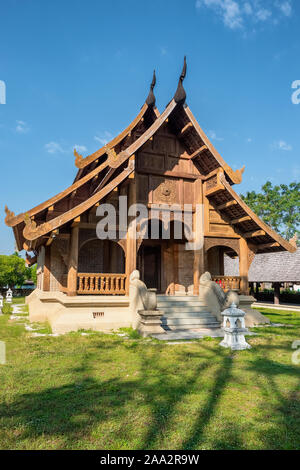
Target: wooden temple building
x,y
160,158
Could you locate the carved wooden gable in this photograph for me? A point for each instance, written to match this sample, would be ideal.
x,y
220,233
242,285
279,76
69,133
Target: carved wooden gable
x,y
165,172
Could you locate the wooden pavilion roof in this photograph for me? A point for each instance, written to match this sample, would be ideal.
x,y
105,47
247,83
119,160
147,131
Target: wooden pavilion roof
x,y
269,267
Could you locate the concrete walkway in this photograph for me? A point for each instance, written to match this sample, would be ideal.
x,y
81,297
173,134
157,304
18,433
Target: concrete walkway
x,y
287,307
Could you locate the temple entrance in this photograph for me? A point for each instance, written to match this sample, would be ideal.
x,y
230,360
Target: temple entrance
x,y
151,266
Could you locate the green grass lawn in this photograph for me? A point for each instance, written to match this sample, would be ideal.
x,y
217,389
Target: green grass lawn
x,y
112,392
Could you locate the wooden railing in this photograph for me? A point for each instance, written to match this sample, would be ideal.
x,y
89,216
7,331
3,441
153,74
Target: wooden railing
x,y
107,284
228,282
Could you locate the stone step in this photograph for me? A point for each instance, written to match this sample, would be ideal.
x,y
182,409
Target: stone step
x,y
188,324
187,314
193,303
177,298
184,308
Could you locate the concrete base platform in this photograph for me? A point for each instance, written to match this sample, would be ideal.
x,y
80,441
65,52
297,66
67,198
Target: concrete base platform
x,y
89,312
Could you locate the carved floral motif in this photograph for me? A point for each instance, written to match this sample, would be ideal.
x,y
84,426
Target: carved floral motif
x,y
166,191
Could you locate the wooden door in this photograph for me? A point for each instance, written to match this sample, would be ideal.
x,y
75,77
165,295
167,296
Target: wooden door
x,y
152,267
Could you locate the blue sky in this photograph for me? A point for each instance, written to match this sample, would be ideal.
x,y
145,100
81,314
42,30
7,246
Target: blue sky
x,y
77,72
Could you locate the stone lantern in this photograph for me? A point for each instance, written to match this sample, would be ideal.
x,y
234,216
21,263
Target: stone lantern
x,y
9,295
234,329
1,303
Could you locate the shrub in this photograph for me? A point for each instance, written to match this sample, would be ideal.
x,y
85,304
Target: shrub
x,y
286,296
132,334
7,309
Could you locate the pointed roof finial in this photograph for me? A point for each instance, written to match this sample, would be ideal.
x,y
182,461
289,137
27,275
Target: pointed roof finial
x,y
180,95
150,101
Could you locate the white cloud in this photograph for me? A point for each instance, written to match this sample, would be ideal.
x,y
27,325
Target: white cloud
x,y
54,147
103,137
213,136
163,50
239,14
80,148
22,127
282,145
229,10
248,8
263,14
249,140
285,7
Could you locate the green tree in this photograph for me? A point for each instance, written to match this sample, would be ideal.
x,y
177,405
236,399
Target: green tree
x,y
12,270
31,273
278,206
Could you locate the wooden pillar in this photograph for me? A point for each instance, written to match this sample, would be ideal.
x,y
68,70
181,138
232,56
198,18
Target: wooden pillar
x,y
276,293
244,287
198,227
175,267
47,269
73,261
199,268
131,245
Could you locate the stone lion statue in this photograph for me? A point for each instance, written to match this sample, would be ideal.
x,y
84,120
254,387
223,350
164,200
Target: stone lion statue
x,y
214,297
141,298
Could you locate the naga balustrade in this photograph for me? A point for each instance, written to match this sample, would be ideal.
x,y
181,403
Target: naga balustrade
x,y
107,284
228,282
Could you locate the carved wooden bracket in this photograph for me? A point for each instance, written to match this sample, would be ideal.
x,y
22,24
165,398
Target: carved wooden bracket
x,y
9,216
78,159
237,175
214,184
113,158
251,255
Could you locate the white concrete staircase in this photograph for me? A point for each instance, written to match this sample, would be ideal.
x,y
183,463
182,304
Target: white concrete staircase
x,y
185,313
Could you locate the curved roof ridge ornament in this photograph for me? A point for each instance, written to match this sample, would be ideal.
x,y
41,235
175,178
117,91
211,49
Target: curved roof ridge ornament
x,y
150,101
180,95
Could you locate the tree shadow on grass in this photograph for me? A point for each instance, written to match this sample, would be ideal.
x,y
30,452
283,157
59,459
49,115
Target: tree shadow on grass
x,y
170,392
166,379
280,409
70,413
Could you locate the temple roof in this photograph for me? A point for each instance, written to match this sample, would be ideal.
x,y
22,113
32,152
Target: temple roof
x,y
105,169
